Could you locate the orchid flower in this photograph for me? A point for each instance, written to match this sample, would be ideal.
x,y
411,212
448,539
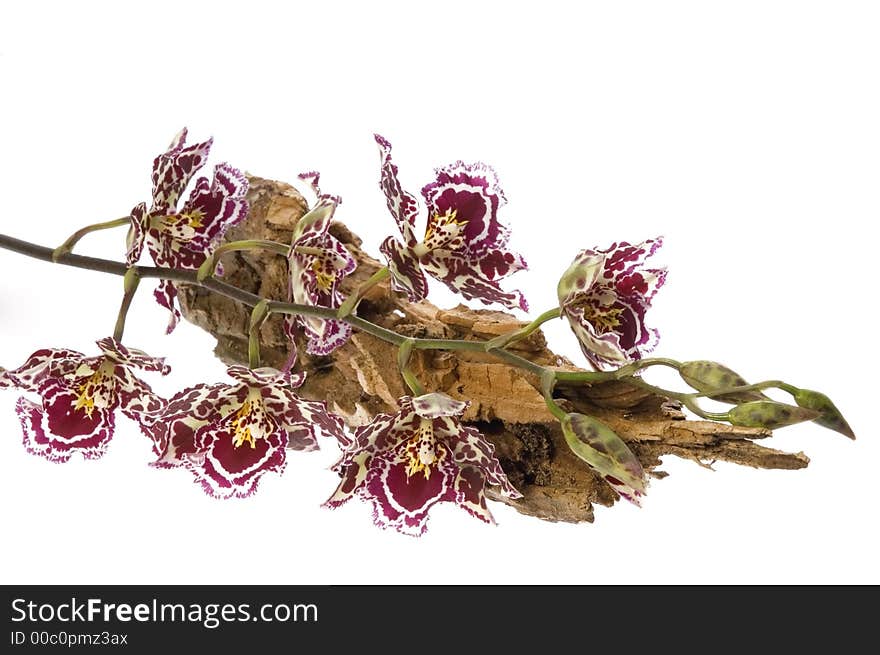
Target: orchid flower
x,y
405,463
183,237
605,294
464,244
230,435
80,396
318,261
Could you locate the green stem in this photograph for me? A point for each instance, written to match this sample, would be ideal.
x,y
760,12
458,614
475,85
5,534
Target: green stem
x,y
504,340
130,282
389,336
259,314
404,353
686,399
72,240
586,376
206,270
634,367
548,383
350,303
758,386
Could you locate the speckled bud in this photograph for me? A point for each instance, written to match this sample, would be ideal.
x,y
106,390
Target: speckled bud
x,y
829,416
769,414
599,446
706,376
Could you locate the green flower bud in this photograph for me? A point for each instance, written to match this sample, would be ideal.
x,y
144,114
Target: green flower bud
x,y
829,416
599,446
769,414
706,376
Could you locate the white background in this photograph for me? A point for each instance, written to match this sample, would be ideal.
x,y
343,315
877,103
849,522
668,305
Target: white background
x,y
746,133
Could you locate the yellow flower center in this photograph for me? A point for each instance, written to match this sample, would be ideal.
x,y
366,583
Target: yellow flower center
x,y
423,451
324,277
604,320
441,231
241,425
95,390
192,219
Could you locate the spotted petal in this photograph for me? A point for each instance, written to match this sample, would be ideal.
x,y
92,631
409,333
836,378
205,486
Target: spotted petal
x,y
473,193
468,279
173,170
137,233
402,501
225,470
221,205
165,294
402,204
406,272
132,357
433,405
55,429
472,450
43,364
174,431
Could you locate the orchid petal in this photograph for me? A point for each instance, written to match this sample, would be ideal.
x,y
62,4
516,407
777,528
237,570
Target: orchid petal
x,y
473,194
402,204
406,273
173,170
56,429
463,277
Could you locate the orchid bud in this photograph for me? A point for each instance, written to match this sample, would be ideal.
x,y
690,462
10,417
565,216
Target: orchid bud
x,y
706,376
601,448
769,414
829,416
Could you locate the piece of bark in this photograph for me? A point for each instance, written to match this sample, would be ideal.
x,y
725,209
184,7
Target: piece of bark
x,y
361,378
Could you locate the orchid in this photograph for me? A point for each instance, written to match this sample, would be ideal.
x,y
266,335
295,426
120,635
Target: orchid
x,y
464,245
407,462
182,238
605,294
318,261
80,396
230,435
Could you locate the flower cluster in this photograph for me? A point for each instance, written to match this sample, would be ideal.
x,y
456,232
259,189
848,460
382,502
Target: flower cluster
x,y
182,236
228,435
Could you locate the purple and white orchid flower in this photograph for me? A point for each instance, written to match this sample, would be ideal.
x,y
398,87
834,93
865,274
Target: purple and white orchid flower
x,y
230,435
182,237
80,396
605,294
464,244
407,462
317,262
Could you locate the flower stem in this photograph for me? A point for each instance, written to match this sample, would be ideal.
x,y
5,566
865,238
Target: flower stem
x,y
206,270
389,336
548,383
130,282
350,303
504,340
404,353
630,369
72,240
259,314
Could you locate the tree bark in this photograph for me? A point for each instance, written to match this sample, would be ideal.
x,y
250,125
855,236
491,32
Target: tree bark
x,y
361,379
